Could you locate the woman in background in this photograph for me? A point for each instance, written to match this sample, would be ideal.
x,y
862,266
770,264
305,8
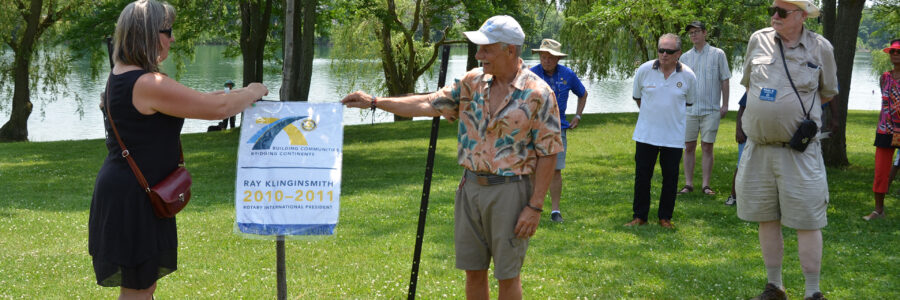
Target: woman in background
x,y
888,125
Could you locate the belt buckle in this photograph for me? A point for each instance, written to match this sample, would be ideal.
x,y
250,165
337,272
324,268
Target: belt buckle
x,y
482,180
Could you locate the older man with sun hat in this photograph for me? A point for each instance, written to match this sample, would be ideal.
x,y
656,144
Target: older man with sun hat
x,y
562,80
789,72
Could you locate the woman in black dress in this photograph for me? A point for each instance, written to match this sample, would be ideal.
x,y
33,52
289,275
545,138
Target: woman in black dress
x,y
130,247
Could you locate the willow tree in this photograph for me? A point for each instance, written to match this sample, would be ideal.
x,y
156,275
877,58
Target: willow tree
x,y
611,38
30,30
407,43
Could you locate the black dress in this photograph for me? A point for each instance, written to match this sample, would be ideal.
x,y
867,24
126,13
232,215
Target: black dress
x,y
130,246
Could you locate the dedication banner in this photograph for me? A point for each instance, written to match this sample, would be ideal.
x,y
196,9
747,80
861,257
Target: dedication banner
x,y
289,168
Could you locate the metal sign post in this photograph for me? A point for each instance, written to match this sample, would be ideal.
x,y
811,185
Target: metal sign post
x,y
426,188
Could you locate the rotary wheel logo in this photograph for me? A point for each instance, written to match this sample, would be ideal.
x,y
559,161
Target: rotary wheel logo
x,y
308,125
678,84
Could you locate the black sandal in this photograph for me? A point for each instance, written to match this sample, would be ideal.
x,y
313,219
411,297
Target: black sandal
x,y
686,189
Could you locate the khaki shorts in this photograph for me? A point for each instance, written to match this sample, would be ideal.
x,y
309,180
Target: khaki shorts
x,y
775,182
706,125
485,221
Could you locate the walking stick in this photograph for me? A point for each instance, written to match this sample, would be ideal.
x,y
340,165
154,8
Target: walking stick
x,y
426,187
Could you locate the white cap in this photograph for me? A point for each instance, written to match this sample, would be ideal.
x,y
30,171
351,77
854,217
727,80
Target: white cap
x,y
811,10
498,29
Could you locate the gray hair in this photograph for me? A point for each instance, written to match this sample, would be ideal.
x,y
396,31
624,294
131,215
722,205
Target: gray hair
x,y
670,36
136,41
518,48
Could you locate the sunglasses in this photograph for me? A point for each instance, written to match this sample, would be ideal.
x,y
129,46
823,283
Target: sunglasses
x,y
667,51
895,52
167,32
782,13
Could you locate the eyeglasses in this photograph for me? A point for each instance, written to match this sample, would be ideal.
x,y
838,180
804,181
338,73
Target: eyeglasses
x,y
895,52
782,13
694,32
167,32
667,51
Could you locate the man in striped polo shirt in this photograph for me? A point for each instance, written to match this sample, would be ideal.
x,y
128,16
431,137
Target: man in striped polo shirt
x,y
711,67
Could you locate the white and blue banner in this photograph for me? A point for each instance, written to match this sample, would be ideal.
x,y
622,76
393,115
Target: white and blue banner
x,y
289,169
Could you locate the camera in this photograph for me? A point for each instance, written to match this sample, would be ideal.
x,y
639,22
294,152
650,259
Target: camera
x,y
804,134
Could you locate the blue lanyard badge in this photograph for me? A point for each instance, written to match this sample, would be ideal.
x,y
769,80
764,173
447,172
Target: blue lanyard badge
x,y
767,94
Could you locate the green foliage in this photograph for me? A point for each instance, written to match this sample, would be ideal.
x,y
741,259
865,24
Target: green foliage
x,y
711,254
548,21
879,25
407,52
355,55
49,62
611,38
887,12
881,62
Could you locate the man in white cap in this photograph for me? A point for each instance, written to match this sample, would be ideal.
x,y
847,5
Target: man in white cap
x,y
562,80
509,131
789,72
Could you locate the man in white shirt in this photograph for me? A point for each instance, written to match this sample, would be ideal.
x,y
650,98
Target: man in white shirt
x,y
662,89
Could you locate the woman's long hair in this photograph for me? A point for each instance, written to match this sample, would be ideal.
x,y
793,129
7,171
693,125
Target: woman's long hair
x,y
136,41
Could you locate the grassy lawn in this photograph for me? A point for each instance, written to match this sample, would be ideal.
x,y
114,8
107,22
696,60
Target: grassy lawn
x,y
45,194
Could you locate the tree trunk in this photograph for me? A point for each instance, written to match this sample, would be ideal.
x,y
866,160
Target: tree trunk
x,y
834,149
16,129
254,30
471,61
828,18
299,49
393,79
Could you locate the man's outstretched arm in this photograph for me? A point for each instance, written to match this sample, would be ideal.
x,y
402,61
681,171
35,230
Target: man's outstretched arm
x,y
407,106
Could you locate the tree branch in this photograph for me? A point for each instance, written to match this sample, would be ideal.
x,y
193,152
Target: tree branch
x,y
434,54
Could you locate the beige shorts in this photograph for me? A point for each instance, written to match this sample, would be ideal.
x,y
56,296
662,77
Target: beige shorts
x,y
775,182
706,125
485,221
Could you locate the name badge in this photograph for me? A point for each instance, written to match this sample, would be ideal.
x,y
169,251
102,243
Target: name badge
x,y
767,94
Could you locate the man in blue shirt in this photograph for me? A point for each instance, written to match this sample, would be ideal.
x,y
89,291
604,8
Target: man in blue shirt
x,y
562,80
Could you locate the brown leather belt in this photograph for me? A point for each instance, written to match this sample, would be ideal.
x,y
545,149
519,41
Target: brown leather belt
x,y
487,179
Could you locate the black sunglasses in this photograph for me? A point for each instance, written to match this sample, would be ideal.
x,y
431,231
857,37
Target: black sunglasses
x,y
895,52
667,51
782,13
168,32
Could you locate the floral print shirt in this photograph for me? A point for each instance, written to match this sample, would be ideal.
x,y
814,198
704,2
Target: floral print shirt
x,y
890,104
525,126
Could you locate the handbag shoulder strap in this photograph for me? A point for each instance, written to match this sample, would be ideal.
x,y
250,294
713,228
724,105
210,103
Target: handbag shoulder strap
x,y
784,61
126,154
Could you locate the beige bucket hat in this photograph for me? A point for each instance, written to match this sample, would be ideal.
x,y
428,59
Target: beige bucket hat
x,y
550,46
807,5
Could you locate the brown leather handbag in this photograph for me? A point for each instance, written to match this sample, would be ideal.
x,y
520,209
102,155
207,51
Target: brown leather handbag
x,y
170,195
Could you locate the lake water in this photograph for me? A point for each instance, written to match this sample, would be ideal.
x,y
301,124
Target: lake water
x,y
60,120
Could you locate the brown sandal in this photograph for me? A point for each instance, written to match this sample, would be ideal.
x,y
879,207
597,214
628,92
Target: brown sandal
x,y
874,215
686,189
709,191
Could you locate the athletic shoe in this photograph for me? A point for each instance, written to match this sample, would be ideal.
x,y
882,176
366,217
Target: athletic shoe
x,y
556,217
731,200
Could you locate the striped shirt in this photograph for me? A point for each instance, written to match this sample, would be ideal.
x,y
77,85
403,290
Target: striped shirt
x,y
711,68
